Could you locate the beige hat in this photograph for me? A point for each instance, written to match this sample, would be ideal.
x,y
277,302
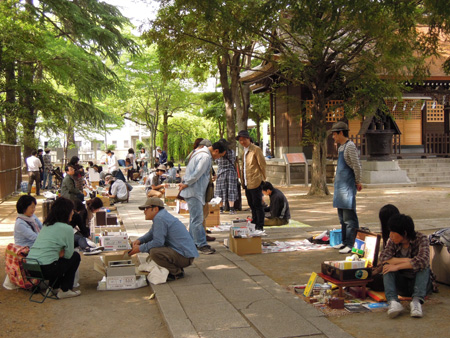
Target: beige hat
x,y
161,167
152,202
339,126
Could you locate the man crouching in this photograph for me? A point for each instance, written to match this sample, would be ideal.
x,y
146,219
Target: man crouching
x,y
168,242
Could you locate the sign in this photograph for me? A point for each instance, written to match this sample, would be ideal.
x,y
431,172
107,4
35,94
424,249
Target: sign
x,y
296,158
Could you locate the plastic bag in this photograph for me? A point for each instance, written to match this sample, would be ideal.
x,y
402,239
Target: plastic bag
x,y
157,274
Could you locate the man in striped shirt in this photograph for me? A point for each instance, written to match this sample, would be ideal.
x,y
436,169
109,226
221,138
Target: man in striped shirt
x,y
346,182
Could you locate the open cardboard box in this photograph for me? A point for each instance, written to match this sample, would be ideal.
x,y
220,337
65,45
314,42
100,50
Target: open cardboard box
x,y
120,272
245,246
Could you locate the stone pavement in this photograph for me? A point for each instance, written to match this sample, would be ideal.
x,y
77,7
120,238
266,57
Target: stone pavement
x,y
222,295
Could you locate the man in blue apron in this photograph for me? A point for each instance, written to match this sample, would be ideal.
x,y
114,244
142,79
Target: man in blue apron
x,y
347,181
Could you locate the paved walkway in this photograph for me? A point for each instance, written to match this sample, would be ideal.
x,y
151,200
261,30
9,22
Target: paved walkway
x,y
222,295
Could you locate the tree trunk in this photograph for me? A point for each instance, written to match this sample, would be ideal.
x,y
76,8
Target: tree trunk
x,y
222,64
165,129
319,170
10,126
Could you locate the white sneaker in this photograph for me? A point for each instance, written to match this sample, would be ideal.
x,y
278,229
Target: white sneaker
x,y
416,309
395,308
339,246
345,250
68,294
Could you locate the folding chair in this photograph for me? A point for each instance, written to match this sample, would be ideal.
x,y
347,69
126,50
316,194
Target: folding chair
x,y
34,275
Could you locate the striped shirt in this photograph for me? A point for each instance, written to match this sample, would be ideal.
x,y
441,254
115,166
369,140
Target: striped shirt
x,y
352,159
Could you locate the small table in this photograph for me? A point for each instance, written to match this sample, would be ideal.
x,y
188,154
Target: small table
x,y
342,284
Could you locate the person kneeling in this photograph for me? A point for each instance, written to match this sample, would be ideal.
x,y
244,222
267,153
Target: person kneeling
x,y
279,206
54,249
169,243
406,266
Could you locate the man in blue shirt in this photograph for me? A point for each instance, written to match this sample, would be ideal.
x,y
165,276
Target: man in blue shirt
x,y
193,190
169,243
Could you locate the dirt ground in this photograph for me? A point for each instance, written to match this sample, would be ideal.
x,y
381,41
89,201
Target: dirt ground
x,y
131,313
94,314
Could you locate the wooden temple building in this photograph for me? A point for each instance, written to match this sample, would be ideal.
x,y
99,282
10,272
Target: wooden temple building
x,y
422,114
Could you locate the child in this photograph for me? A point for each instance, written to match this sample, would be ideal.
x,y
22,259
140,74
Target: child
x,y
81,231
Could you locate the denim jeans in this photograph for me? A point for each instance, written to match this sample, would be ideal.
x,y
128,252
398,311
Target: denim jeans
x,y
196,229
406,283
349,225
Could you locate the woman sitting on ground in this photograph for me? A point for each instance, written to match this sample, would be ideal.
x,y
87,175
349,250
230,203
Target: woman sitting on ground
x,y
27,225
54,249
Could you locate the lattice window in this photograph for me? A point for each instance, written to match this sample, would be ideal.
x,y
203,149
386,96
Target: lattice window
x,y
335,115
435,112
405,109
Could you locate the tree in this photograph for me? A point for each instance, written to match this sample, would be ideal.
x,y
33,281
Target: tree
x,y
57,45
151,97
259,111
205,33
215,110
357,51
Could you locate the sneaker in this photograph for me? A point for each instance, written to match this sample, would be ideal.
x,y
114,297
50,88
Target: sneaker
x,y
345,250
221,210
233,212
339,246
171,277
395,308
207,250
68,294
210,238
416,309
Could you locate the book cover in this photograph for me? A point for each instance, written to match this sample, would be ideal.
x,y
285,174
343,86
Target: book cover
x,y
310,285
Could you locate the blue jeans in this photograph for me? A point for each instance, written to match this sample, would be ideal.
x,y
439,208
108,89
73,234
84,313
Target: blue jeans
x,y
349,225
196,228
406,283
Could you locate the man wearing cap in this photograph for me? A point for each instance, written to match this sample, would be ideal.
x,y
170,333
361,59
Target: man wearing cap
x,y
346,182
253,175
193,190
154,186
168,242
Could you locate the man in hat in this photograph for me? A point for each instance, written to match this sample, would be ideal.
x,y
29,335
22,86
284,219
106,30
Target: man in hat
x,y
253,176
168,242
154,186
193,190
347,181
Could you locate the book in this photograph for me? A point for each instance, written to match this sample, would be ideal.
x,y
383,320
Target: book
x,y
310,285
355,307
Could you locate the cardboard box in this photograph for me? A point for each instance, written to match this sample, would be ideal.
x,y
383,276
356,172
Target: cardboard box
x,y
213,218
115,241
172,191
182,207
119,272
245,246
440,263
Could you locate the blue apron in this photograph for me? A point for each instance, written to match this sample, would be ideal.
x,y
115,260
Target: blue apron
x,y
344,185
